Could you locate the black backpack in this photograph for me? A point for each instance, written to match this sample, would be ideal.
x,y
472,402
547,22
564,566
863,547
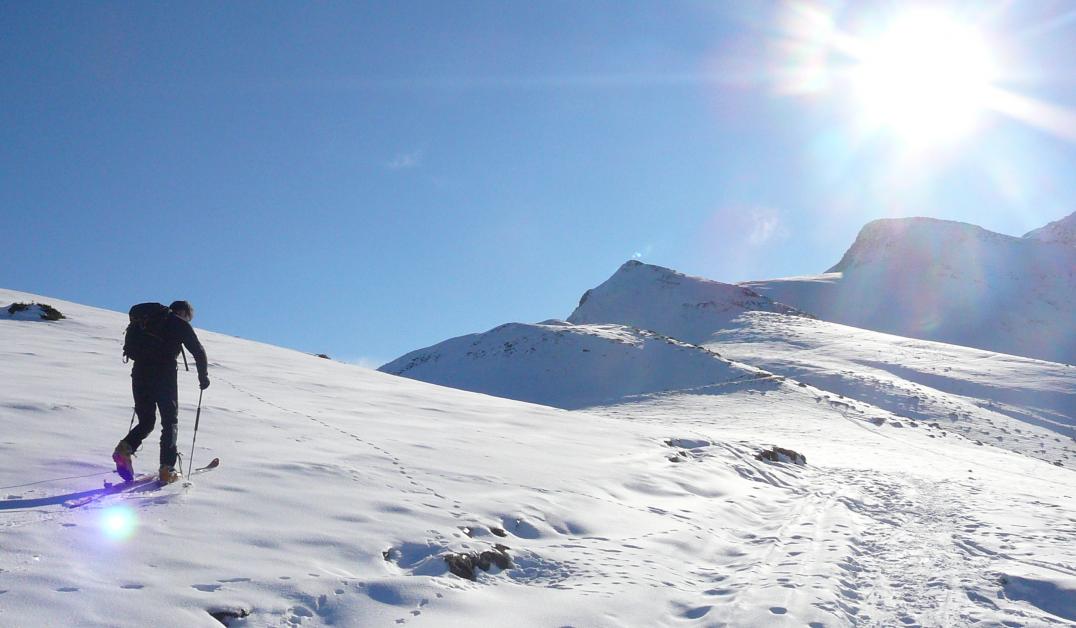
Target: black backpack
x,y
144,339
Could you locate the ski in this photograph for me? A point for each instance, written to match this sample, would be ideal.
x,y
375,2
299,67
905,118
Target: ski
x,y
145,480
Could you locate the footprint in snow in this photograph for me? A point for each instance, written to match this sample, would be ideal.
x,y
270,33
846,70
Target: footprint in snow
x,y
132,586
778,610
67,589
696,613
208,588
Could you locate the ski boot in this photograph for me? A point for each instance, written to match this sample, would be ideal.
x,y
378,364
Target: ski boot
x,y
122,457
168,474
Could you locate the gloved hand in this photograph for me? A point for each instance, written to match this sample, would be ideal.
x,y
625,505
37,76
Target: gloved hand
x,y
203,381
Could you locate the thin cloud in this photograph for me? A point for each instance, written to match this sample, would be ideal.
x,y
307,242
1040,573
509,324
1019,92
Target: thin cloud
x,y
364,361
646,251
766,225
405,161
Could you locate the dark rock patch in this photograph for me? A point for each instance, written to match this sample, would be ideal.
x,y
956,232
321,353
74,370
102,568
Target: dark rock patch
x,y
780,454
464,564
227,615
45,311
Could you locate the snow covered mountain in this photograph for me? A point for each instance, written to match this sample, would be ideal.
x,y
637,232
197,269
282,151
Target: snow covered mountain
x,y
660,299
1034,413
919,382
567,366
349,497
1062,231
951,282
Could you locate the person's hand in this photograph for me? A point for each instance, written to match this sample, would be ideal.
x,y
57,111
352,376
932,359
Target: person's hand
x,y
203,381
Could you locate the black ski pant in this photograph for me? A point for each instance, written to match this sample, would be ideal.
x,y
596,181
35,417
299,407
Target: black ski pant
x,y
153,391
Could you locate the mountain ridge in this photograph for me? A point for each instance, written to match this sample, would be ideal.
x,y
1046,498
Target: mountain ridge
x,y
950,282
1062,231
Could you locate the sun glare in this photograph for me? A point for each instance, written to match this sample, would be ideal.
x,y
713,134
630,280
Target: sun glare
x,y
925,79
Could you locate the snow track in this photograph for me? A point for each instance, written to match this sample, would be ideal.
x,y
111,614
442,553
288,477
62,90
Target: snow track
x,y
885,526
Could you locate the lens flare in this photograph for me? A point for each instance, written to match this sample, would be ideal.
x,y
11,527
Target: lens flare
x,y
118,522
925,78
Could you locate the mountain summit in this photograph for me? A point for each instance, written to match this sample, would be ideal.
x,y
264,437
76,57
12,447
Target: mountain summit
x,y
916,242
678,305
951,282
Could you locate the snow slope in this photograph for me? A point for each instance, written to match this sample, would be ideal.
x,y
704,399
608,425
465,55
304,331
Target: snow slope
x,y
947,281
567,366
1021,404
885,526
342,489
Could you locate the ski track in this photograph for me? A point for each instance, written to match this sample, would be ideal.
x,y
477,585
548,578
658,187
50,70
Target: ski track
x,y
916,552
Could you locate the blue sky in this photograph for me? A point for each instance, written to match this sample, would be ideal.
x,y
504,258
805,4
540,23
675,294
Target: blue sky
x,y
363,179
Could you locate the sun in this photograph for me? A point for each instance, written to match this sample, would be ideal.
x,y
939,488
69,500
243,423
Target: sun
x,y
926,78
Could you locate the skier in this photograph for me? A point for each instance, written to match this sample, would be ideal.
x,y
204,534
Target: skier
x,y
153,382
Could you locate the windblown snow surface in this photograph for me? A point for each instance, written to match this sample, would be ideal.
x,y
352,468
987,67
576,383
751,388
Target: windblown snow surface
x,y
341,490
951,282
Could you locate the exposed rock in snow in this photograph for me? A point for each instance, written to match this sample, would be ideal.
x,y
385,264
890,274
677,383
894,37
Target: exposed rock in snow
x,y
947,281
464,564
674,304
228,615
567,366
31,312
780,454
1061,231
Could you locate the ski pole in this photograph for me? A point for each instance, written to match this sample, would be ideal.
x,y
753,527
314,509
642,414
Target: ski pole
x,y
197,417
131,426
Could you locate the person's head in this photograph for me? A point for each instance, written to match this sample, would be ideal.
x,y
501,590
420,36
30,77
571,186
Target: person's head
x,y
183,309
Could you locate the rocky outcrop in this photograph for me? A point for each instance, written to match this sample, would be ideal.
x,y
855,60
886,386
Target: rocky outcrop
x,y
780,454
464,564
33,311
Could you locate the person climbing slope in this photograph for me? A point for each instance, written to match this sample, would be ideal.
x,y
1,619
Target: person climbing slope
x,y
153,341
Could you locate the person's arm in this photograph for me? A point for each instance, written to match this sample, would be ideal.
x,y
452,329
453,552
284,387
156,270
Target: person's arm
x,y
190,340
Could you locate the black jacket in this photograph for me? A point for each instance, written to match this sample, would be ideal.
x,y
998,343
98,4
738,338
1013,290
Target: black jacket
x,y
177,333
